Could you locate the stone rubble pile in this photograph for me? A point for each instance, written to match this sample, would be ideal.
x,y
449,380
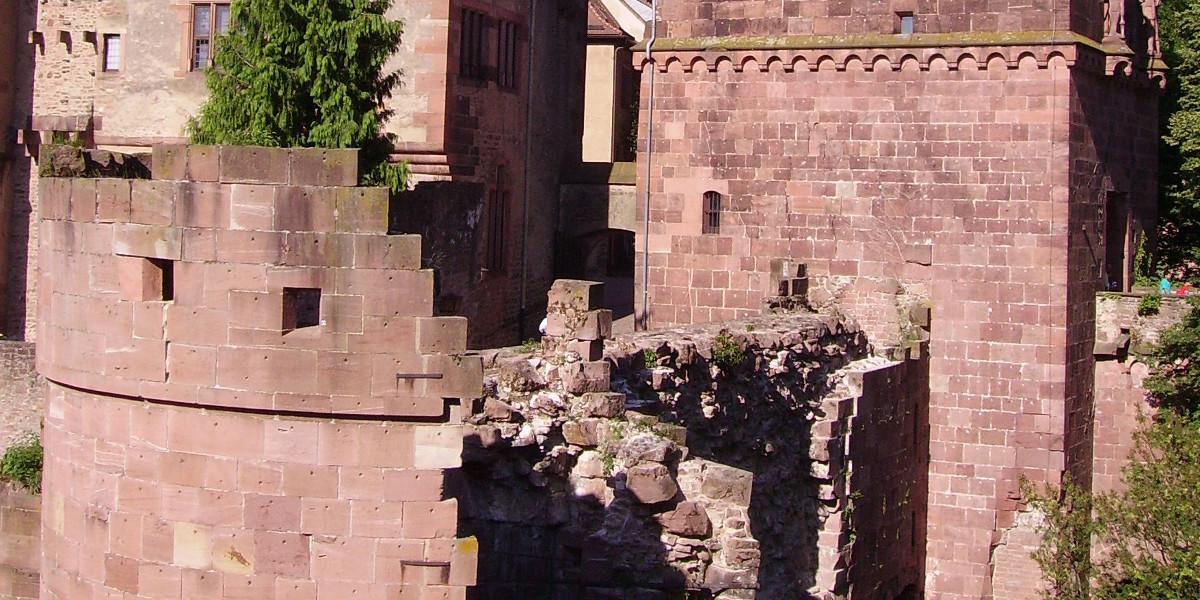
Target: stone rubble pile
x,y
650,450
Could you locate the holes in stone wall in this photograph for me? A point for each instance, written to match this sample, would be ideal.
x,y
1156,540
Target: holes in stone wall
x,y
162,279
301,308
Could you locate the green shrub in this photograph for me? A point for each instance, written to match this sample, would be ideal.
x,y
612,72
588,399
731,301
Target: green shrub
x,y
649,358
22,463
1149,305
726,351
1174,380
530,346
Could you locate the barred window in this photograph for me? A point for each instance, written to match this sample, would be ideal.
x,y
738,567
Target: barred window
x,y
506,71
497,223
208,22
712,213
472,48
112,53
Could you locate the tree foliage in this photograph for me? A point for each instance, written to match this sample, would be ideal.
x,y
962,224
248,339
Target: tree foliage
x,y
1148,536
22,463
304,73
1174,382
1178,241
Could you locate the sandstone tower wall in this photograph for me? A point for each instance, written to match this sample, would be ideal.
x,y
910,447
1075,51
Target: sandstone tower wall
x,y
248,396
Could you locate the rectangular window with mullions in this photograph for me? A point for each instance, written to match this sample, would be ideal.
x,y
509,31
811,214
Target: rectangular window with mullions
x,y
497,224
506,53
208,22
712,213
472,48
112,53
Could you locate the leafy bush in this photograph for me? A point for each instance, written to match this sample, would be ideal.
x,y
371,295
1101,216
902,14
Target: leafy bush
x,y
726,351
1149,305
1174,381
1149,534
650,358
530,346
22,463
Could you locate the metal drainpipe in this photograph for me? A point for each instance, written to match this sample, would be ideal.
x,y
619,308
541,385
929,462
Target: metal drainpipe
x,y
649,155
525,200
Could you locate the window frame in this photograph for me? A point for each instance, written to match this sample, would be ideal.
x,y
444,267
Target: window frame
x,y
105,65
213,33
495,242
473,44
508,53
710,215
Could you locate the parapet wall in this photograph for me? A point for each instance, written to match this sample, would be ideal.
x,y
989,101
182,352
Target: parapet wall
x,y
258,285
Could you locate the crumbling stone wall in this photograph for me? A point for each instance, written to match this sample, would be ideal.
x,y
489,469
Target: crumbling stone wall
x,y
19,543
1122,337
21,392
734,461
247,394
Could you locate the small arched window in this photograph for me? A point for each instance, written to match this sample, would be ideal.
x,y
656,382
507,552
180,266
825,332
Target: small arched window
x,y
712,213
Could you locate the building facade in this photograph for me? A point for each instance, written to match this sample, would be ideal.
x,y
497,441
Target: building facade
x,y
991,161
122,76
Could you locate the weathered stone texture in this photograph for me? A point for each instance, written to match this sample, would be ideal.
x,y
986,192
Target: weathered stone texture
x,y
732,479
248,392
21,392
20,555
972,183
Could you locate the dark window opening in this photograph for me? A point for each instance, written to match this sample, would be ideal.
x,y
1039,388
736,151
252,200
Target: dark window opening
x,y
301,308
506,54
712,213
163,274
1116,236
497,224
472,46
208,22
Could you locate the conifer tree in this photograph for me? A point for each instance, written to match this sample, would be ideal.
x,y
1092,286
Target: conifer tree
x,y
305,73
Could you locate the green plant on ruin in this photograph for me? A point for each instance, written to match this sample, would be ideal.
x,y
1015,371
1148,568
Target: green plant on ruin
x,y
1144,274
726,351
1174,380
307,73
649,358
1065,553
22,463
1149,304
529,346
1150,534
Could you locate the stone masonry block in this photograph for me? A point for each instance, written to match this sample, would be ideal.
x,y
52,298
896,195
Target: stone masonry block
x,y
169,162
112,200
464,562
437,446
430,520
254,164
54,198
324,167
304,209
148,241
361,210
202,205
203,163
462,376
597,325
152,202
587,349
441,335
584,377
83,200
387,252
576,294
252,207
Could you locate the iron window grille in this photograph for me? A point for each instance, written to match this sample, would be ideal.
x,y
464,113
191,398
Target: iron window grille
x,y
712,213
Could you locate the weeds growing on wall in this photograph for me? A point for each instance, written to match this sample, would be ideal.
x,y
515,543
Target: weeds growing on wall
x,y
305,73
22,463
1149,305
726,352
